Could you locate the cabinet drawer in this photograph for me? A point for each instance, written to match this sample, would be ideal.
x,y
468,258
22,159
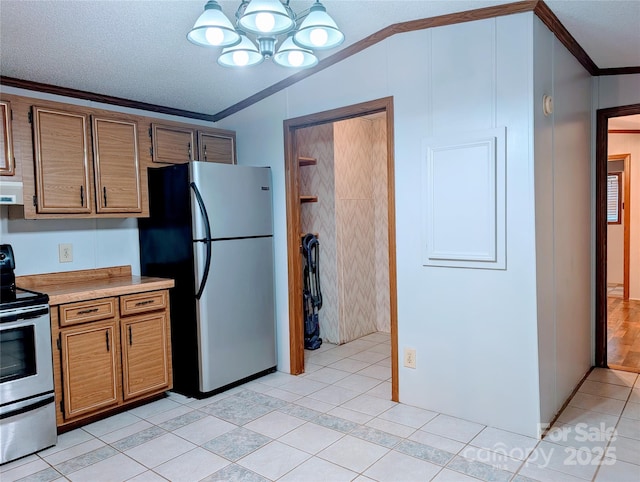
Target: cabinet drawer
x,y
143,302
84,311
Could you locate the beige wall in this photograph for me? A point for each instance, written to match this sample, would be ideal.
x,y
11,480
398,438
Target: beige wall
x,y
630,144
319,180
350,217
615,237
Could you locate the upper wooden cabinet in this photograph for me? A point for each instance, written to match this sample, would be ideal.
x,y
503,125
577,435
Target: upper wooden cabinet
x,y
176,144
64,163
217,147
172,144
61,154
117,165
7,161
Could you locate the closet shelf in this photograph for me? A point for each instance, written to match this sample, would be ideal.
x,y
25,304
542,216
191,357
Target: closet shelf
x,y
308,199
307,161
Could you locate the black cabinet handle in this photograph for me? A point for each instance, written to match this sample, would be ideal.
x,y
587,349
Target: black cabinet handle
x,y
107,334
104,194
130,336
189,150
205,153
82,196
145,302
90,310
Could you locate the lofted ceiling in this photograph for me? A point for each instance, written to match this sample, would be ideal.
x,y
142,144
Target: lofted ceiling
x,y
137,49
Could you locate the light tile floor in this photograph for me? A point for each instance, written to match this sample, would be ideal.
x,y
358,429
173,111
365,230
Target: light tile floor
x,y
336,423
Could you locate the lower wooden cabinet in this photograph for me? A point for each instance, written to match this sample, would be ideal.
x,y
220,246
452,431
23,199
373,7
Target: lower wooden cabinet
x,y
104,364
90,368
145,360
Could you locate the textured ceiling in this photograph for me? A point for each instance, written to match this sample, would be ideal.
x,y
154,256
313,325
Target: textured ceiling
x,y
137,49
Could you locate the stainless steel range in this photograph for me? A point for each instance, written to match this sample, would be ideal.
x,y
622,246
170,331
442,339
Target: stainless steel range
x,y
27,409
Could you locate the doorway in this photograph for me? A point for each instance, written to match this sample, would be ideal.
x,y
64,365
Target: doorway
x,y
605,310
293,130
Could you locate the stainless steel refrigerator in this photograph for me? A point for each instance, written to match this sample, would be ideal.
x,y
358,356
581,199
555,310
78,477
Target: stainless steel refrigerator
x,y
210,229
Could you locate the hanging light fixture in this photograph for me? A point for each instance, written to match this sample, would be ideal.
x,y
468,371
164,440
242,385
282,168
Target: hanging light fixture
x,y
213,28
266,20
318,30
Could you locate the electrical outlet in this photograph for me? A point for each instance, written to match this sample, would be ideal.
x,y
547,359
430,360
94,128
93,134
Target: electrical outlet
x,y
65,252
410,357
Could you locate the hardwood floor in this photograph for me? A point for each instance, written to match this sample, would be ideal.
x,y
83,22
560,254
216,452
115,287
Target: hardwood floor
x,y
623,334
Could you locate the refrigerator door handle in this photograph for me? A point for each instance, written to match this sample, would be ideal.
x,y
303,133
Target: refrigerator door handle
x,y
206,240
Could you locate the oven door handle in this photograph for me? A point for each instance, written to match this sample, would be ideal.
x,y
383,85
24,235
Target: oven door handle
x,y
23,406
23,314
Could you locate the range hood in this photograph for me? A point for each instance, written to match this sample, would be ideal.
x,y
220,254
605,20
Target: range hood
x,y
10,192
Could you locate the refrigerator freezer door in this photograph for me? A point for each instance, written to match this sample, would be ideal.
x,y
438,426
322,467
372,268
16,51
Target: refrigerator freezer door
x,y
236,313
237,199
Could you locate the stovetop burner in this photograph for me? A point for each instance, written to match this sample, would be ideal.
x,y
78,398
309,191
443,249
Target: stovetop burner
x,y
21,298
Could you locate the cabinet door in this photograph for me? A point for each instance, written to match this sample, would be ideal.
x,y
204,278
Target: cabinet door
x,y
117,165
89,367
7,162
216,148
60,142
172,144
145,354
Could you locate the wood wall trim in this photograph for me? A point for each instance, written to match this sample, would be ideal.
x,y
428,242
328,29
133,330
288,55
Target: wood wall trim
x,y
296,332
619,71
602,146
105,99
547,17
624,131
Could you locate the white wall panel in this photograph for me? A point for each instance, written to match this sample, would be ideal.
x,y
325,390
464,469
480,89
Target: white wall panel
x,y
572,220
617,90
563,220
545,286
463,71
464,205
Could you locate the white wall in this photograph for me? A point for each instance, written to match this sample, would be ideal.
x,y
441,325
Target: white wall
x,y
616,90
474,330
630,144
563,224
97,243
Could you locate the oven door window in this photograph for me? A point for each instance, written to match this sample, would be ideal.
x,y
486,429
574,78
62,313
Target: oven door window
x,y
18,353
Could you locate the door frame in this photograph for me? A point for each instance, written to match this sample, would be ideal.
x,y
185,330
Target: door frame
x,y
296,331
602,146
626,203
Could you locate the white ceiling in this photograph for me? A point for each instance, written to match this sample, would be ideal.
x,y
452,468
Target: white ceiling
x,y
137,49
